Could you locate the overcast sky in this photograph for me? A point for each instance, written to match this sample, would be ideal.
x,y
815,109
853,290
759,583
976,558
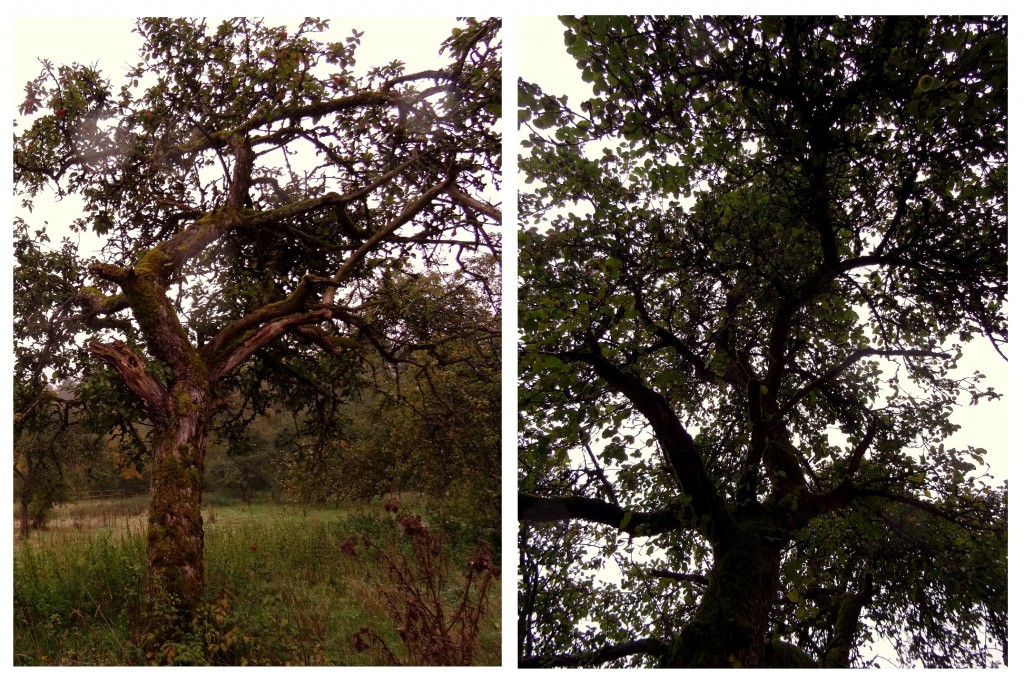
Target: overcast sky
x,y
111,43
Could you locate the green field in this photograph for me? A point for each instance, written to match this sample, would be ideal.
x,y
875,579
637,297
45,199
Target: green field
x,y
285,586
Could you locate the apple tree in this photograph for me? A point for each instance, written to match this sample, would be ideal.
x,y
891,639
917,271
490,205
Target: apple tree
x,y
750,265
253,190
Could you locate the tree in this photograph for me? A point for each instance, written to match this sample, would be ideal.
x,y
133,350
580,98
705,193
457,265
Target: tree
x,y
46,441
253,193
431,424
443,413
750,265
244,463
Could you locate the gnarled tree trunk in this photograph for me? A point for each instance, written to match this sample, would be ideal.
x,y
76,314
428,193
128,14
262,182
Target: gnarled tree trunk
x,y
174,551
731,622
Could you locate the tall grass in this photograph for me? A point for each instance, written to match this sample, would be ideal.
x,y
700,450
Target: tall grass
x,y
283,587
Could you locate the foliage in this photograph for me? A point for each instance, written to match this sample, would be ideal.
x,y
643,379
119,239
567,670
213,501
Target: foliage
x,y
432,423
750,265
243,457
45,444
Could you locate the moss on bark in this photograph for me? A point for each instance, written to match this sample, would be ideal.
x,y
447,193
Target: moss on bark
x,y
175,566
730,624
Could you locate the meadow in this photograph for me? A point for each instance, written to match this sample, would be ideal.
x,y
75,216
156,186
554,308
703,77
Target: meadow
x,y
285,585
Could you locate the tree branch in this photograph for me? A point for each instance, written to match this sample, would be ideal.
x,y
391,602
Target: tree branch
x,y
533,508
217,139
132,368
264,336
292,304
647,645
675,442
471,202
698,578
410,211
843,366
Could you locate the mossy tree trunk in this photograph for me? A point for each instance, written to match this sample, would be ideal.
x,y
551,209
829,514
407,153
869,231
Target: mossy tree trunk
x,y
179,406
730,624
179,413
174,551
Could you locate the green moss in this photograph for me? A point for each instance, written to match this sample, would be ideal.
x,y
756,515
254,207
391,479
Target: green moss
x,y
175,534
779,654
211,217
154,262
182,402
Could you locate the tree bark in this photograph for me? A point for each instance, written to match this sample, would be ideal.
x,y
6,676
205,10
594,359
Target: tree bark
x,y
175,572
730,625
174,541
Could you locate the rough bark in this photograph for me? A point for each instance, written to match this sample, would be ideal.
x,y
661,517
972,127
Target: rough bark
x,y
844,635
731,622
174,552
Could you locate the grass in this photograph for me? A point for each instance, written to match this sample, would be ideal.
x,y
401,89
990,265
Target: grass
x,y
283,586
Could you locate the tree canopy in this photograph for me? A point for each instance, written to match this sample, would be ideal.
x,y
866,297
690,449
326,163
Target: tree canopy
x,y
749,266
256,196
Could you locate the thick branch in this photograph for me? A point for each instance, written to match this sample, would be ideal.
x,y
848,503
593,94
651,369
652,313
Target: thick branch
x,y
471,202
133,370
241,179
844,634
318,109
646,645
545,509
698,578
230,335
410,212
862,447
675,442
145,290
260,338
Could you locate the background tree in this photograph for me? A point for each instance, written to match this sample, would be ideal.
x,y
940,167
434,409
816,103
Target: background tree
x,y
242,457
430,424
47,440
443,412
751,265
253,193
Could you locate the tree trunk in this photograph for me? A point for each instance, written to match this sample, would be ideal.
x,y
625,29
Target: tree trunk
x,y
179,412
175,569
731,623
